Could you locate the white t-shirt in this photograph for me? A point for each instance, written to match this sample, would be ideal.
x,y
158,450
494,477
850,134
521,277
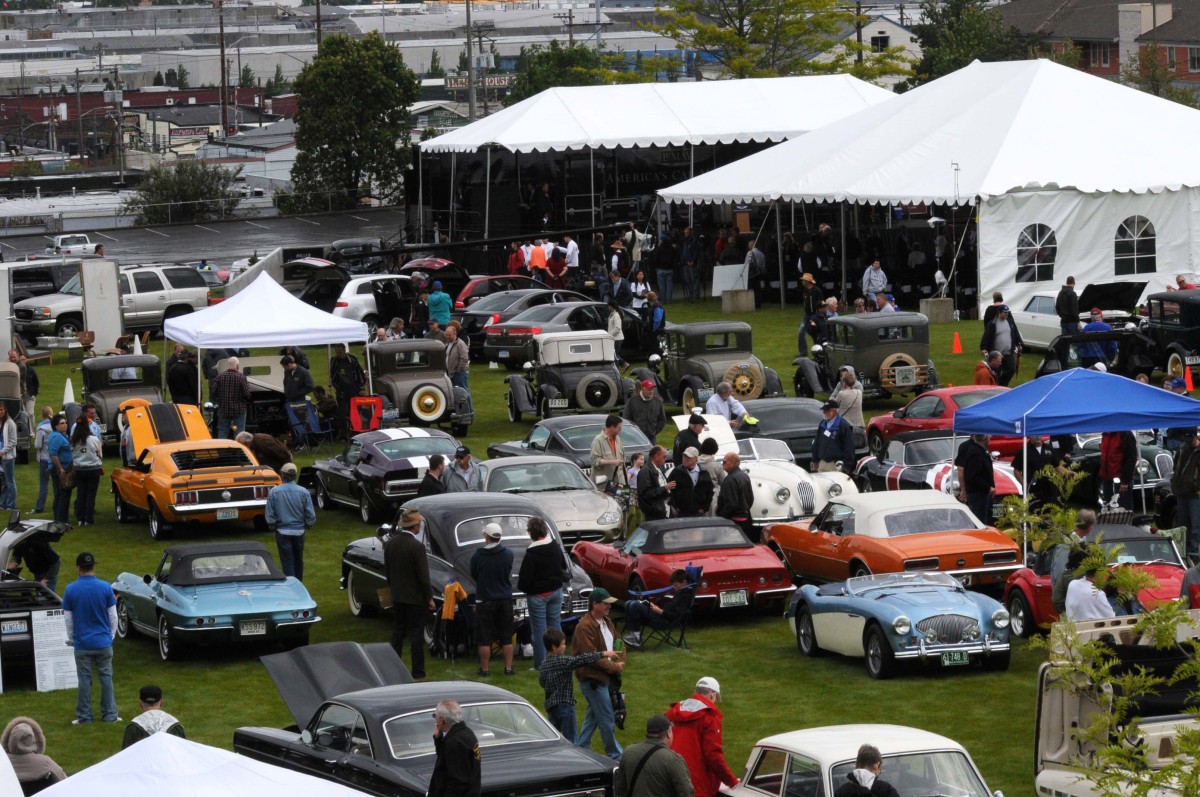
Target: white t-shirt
x,y
608,637
1085,602
572,254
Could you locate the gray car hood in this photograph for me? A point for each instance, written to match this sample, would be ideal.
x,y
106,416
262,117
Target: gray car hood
x,y
50,300
306,677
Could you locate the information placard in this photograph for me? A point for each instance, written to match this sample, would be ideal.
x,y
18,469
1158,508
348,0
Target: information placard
x,y
53,658
728,278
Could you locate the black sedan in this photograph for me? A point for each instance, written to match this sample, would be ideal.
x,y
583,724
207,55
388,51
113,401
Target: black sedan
x,y
377,470
792,420
453,529
570,436
378,737
500,307
511,343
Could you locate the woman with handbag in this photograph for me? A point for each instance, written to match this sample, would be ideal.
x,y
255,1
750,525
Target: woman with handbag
x,y
543,572
63,461
88,467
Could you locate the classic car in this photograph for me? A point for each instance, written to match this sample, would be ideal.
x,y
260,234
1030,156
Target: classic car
x,y
895,532
925,461
503,305
736,571
697,357
1136,352
816,762
570,436
792,420
572,372
19,597
581,511
510,343
377,470
266,411
1028,591
889,352
216,593
377,738
178,474
1039,322
108,381
454,531
895,617
935,410
411,376
1173,322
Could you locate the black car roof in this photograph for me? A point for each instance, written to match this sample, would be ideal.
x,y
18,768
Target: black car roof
x,y
708,327
391,346
1116,532
209,548
1192,294
449,506
567,421
119,361
388,701
873,320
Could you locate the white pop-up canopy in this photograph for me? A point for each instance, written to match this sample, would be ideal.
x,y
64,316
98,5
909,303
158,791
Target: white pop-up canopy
x,y
166,764
665,114
263,314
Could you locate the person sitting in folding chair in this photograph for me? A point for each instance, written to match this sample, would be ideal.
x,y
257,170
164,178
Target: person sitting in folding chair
x,y
670,610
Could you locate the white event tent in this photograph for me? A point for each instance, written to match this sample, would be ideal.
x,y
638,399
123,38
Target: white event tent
x,y
1071,174
663,115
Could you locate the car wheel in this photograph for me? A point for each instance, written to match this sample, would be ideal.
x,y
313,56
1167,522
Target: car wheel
x,y
121,509
858,569
122,618
596,392
158,527
1174,364
800,383
875,442
881,661
357,607
997,662
70,327
168,643
806,635
544,408
514,414
176,312
372,322
689,395
747,381
324,502
366,510
427,403
1020,614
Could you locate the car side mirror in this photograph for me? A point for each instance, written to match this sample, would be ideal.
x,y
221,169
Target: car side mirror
x,y
146,579
898,413
306,736
655,361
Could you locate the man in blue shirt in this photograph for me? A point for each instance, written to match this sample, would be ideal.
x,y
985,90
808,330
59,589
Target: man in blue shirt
x,y
91,616
1096,352
289,514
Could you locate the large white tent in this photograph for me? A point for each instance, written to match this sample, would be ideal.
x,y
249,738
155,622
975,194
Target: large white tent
x,y
167,765
1065,168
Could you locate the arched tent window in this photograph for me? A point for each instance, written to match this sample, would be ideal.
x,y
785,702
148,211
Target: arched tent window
x,y
1134,248
1036,249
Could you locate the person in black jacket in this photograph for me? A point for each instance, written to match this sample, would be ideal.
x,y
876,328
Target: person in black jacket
x,y
833,443
863,780
297,381
1001,334
432,483
669,609
407,568
182,380
688,437
541,579
297,354
1066,305
736,498
491,570
653,489
693,492
456,770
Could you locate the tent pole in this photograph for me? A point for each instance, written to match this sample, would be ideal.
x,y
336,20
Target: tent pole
x,y
487,192
200,376
691,174
453,163
164,359
1025,487
779,251
420,195
842,227
592,178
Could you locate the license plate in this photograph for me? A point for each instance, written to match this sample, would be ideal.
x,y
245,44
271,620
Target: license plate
x,y
734,597
391,415
503,355
955,658
703,395
14,627
1192,359
558,403
256,628
227,514
906,375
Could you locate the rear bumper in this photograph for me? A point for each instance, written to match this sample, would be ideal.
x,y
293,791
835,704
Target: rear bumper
x,y
245,510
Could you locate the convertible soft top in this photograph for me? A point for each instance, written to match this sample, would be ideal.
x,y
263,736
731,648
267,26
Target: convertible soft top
x,y
184,556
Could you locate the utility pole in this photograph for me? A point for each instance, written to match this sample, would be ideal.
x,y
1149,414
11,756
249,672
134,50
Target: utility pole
x,y
599,43
79,114
119,123
318,23
858,26
480,27
569,24
224,70
20,97
470,69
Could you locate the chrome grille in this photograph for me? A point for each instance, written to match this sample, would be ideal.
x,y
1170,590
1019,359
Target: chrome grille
x,y
807,496
946,628
24,315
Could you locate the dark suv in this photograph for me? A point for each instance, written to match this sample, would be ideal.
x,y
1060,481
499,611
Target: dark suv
x,y
573,372
888,351
1173,322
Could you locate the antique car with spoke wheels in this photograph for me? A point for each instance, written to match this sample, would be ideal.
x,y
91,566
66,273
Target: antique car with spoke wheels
x,y
221,594
108,381
896,617
573,372
378,733
377,471
570,436
175,474
411,376
888,351
1173,322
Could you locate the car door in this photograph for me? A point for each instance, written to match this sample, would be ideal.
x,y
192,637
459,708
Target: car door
x,y
327,755
1038,322
146,300
618,565
142,612
586,318
819,551
925,412
344,475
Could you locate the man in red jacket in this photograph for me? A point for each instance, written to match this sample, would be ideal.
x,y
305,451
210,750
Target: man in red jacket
x,y
697,737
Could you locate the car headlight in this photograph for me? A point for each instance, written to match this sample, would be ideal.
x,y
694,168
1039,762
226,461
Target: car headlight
x,y
1000,618
971,632
835,490
783,494
952,483
902,625
41,312
611,516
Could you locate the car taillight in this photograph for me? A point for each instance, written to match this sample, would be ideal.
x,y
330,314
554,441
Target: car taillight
x,y
525,331
187,498
342,304
459,304
261,491
493,319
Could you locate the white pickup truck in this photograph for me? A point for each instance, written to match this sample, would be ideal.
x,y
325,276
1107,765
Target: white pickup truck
x,y
74,244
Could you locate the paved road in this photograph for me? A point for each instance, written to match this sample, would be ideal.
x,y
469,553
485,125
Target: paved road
x,y
223,242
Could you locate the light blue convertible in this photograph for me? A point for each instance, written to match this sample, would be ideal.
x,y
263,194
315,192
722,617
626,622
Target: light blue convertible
x,y
220,593
926,616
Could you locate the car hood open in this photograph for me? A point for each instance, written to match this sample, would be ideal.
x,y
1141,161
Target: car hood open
x,y
308,676
1111,296
16,533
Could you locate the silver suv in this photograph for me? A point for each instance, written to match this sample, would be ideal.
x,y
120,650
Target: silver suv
x,y
150,294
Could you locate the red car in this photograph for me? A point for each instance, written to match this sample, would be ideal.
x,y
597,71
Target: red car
x,y
479,287
935,410
1028,591
736,571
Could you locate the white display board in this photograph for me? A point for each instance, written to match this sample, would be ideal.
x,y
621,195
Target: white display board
x,y
53,658
102,301
729,278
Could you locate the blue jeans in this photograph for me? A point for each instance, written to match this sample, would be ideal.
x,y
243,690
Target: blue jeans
x,y
291,554
1187,513
460,380
101,661
8,499
665,279
45,474
229,425
544,613
599,716
562,717
1068,329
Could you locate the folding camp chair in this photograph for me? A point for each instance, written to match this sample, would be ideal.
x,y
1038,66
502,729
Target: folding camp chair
x,y
307,427
366,413
675,632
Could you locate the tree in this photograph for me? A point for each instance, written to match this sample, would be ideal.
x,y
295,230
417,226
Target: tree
x,y
190,190
181,76
278,84
540,68
1148,72
172,78
158,79
435,66
463,63
957,32
246,78
352,122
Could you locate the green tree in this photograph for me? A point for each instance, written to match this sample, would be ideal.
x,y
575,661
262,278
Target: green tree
x,y
463,63
352,121
540,68
246,78
435,66
191,190
158,79
172,78
278,84
957,32
1148,72
181,76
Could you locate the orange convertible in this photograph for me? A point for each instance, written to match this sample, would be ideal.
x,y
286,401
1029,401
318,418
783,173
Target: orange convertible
x,y
175,472
895,532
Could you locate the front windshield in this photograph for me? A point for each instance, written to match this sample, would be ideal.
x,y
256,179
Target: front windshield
x,y
929,520
893,581
541,477
964,400
929,452
72,287
580,438
494,724
930,774
764,448
1144,550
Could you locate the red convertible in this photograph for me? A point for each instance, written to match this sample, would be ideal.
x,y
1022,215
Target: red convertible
x,y
935,410
1028,591
736,571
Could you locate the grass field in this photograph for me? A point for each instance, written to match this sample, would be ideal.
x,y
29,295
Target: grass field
x,y
768,687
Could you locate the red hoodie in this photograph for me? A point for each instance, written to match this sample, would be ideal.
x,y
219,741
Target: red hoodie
x,y
697,737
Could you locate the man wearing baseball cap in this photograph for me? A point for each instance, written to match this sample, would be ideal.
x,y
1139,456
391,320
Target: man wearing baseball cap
x,y
90,611
697,737
833,442
491,570
152,720
463,474
1093,352
289,514
688,437
651,768
595,632
645,411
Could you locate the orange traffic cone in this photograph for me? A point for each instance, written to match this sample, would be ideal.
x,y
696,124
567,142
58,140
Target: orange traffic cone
x,y
1187,378
957,347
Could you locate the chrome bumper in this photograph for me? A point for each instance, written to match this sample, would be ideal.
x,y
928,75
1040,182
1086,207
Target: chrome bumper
x,y
922,651
201,509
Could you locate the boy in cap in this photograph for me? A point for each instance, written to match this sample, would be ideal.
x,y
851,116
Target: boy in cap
x,y
152,720
491,570
644,771
289,514
90,610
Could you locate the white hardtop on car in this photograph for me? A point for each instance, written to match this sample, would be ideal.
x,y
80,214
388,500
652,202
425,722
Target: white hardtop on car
x,y
576,347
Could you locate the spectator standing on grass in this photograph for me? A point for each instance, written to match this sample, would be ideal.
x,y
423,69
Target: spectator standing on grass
x,y
290,513
456,769
183,380
431,484
541,579
8,458
976,477
407,567
232,393
645,411
698,722
736,500
693,491
41,441
463,475
152,720
458,359
491,570
651,768
595,632
297,381
607,454
874,279
90,610
1066,306
653,489
554,675
88,457
59,451
346,378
